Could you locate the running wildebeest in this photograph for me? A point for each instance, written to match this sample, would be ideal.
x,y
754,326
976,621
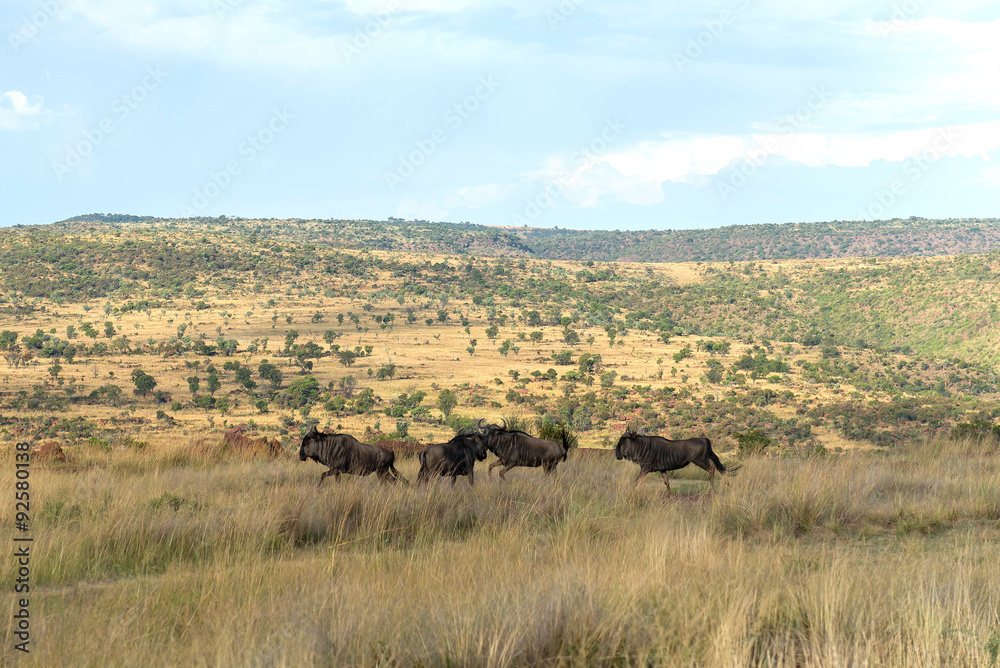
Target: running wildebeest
x,y
657,454
345,454
516,448
456,457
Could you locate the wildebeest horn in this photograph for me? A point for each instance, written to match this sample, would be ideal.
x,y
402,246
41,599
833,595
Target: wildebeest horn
x,y
504,420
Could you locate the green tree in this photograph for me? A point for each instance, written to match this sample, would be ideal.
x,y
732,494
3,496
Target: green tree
x,y
589,363
144,383
347,357
302,392
563,358
213,383
270,373
194,384
446,402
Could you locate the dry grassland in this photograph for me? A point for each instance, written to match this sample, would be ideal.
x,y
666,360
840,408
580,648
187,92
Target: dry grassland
x,y
160,558
428,357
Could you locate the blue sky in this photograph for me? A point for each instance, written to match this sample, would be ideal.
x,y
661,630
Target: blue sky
x,y
578,114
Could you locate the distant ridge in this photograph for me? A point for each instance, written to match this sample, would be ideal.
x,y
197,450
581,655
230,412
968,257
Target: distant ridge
x,y
881,238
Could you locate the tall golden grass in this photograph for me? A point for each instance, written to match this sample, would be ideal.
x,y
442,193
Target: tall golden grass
x,y
878,559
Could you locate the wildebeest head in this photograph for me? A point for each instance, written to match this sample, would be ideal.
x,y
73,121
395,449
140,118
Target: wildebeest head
x,y
310,444
476,438
625,444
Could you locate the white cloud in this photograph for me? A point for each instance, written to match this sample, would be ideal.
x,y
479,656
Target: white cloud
x,y
636,174
17,112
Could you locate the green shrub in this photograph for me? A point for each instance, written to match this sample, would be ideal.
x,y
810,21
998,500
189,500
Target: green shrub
x,y
752,442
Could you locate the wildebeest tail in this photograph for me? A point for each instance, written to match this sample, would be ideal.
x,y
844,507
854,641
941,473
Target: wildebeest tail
x,y
715,458
422,457
565,442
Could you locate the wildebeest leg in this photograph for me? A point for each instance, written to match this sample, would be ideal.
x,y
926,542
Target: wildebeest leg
x,y
472,478
335,474
505,469
489,471
666,481
708,465
642,474
454,479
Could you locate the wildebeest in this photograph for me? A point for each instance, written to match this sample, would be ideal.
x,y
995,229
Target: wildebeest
x,y
516,448
655,453
456,457
345,454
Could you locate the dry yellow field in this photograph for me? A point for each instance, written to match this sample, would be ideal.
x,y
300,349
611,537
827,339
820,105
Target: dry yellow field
x,y
157,558
427,356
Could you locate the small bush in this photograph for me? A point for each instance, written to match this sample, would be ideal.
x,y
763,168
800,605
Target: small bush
x,y
753,442
976,429
99,443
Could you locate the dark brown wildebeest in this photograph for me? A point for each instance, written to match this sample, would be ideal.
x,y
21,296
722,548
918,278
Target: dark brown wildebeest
x,y
516,448
456,457
345,454
657,454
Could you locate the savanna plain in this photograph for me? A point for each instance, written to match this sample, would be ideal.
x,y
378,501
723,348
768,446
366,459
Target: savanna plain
x,y
853,401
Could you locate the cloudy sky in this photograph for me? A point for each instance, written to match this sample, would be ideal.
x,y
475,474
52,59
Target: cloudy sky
x,y
583,114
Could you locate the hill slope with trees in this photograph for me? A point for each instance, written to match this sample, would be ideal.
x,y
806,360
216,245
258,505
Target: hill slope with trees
x,y
884,238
